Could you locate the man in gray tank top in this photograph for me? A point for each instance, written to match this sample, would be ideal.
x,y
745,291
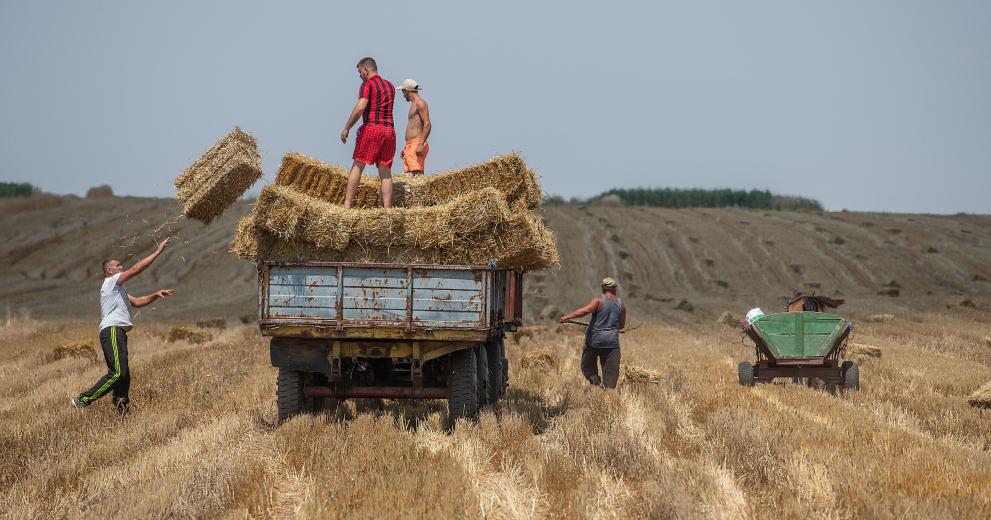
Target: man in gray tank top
x,y
602,335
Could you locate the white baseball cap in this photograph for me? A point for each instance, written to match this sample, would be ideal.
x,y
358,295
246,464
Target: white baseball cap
x,y
410,84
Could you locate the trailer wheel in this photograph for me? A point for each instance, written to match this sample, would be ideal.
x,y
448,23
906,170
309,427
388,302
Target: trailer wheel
x,y
746,373
496,389
289,393
482,365
851,375
463,400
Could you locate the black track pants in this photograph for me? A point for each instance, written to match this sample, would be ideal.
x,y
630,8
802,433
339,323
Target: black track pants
x,y
113,340
608,358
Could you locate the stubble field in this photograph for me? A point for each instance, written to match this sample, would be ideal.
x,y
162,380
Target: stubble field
x,y
202,440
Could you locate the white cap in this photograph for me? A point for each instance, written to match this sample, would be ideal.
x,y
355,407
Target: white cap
x,y
410,84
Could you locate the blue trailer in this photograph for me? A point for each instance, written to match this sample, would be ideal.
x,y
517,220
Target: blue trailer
x,y
344,330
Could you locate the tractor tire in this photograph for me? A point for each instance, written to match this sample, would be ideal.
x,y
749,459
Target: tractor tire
x,y
851,375
463,400
482,365
496,378
746,373
289,393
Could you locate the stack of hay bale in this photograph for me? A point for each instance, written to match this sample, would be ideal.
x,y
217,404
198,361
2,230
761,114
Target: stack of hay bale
x,y
465,217
470,216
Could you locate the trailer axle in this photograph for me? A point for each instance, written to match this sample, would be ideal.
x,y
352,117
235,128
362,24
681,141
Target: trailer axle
x,y
382,392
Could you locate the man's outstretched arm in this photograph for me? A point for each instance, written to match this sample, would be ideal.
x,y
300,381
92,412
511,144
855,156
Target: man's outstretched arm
x,y
142,264
141,301
587,309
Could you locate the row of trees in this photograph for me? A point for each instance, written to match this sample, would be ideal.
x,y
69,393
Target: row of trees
x,y
695,198
15,189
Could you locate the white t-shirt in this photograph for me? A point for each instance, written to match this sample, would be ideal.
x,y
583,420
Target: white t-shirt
x,y
115,308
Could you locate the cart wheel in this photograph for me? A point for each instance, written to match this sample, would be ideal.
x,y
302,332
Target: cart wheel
x,y
463,401
851,375
746,371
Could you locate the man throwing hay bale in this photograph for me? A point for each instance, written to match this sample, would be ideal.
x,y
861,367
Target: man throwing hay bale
x,y
602,335
376,139
115,322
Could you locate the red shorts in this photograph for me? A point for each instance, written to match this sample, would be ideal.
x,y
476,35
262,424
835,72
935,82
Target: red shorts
x,y
375,144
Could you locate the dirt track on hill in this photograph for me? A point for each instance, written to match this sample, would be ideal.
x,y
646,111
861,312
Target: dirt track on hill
x,y
717,259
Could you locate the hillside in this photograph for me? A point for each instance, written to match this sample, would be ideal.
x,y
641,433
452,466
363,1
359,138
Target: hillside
x,y
717,259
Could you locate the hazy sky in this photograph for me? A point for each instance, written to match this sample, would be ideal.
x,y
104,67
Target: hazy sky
x,y
866,105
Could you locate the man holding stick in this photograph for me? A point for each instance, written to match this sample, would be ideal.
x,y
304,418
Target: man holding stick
x,y
602,335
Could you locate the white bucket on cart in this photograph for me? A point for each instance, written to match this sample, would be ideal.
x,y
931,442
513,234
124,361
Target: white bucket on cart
x,y
753,314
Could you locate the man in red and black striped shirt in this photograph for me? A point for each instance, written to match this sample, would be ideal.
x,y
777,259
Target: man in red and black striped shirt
x,y
376,140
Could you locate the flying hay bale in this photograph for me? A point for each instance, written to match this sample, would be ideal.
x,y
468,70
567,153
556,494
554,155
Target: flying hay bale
x,y
193,336
981,398
212,323
217,179
863,351
633,374
542,359
468,230
506,173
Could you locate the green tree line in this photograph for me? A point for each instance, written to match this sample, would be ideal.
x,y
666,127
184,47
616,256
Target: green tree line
x,y
696,198
15,189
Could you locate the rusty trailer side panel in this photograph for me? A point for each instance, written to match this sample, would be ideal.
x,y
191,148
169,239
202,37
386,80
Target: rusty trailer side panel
x,y
333,299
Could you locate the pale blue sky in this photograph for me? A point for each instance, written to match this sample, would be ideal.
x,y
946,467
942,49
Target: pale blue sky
x,y
865,105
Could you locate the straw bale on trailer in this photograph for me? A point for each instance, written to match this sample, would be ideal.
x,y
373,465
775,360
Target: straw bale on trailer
x,y
324,181
217,179
291,215
506,173
470,230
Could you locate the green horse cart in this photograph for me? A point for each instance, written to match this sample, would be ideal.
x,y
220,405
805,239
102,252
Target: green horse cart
x,y
799,345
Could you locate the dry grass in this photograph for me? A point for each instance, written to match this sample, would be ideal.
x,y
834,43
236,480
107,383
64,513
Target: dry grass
x,y
195,337
468,230
202,440
507,173
880,318
217,179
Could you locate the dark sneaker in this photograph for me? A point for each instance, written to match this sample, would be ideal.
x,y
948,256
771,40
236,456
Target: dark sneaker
x,y
77,403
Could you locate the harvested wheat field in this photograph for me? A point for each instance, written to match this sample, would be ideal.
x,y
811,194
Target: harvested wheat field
x,y
202,440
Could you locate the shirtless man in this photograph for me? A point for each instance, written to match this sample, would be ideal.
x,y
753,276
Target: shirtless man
x,y
417,129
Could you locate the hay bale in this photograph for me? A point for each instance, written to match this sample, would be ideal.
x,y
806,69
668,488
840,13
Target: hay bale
x,y
100,192
192,336
507,173
633,374
880,318
863,351
468,230
539,360
729,319
212,323
891,292
981,398
74,350
217,179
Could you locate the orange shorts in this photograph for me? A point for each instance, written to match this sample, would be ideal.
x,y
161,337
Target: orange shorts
x,y
413,161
